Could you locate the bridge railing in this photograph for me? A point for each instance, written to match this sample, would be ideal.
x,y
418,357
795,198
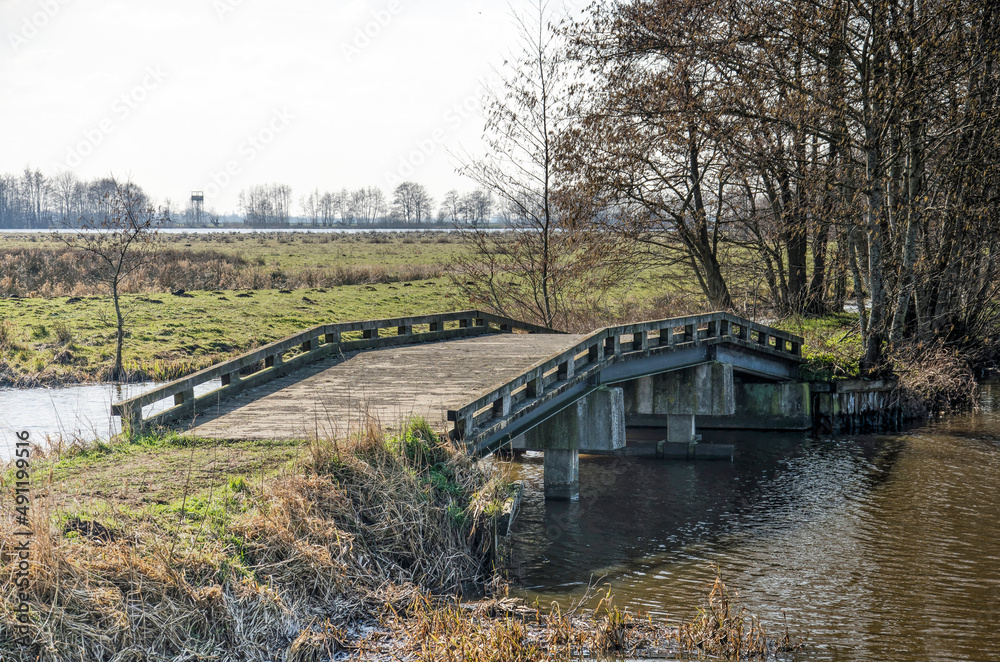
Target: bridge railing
x,y
283,356
558,373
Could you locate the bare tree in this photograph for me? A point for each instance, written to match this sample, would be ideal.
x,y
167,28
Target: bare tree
x,y
266,205
540,268
122,241
450,206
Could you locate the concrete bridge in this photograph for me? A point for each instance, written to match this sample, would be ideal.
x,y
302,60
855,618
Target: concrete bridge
x,y
488,381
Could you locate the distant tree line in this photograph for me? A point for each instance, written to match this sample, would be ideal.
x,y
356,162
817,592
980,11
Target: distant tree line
x,y
32,199
410,204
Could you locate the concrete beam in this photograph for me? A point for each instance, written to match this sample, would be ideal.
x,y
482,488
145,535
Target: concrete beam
x,y
705,390
784,406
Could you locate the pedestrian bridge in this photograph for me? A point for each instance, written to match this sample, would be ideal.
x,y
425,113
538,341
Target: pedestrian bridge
x,y
486,380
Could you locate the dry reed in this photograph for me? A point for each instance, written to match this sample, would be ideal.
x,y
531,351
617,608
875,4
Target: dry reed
x,y
294,564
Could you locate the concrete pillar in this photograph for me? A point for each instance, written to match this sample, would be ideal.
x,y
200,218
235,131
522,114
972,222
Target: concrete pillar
x,y
562,474
595,422
680,428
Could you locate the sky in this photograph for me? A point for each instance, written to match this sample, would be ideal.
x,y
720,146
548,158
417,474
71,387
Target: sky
x,y
221,95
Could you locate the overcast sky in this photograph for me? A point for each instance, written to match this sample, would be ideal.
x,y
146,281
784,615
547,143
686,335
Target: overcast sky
x,y
219,95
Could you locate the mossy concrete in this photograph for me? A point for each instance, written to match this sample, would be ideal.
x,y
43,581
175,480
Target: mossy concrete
x,y
595,422
784,406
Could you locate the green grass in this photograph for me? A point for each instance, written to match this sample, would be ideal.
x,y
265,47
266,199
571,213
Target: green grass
x,y
169,336
832,345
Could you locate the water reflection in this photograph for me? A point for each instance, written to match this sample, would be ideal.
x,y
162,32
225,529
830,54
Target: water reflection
x,y
873,548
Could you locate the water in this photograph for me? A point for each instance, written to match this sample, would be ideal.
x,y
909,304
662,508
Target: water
x,y
869,548
70,413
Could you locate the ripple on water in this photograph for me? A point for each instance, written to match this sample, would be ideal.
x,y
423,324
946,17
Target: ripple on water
x,y
870,548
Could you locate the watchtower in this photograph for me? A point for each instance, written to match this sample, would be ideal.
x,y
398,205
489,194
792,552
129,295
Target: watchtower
x,y
197,205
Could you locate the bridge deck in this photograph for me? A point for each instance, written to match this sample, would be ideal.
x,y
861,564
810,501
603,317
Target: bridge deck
x,y
330,397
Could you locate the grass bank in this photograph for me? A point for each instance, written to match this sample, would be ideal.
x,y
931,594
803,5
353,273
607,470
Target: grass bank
x,y
170,548
248,550
71,339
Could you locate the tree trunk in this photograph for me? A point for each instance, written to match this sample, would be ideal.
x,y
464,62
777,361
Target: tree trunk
x,y
117,373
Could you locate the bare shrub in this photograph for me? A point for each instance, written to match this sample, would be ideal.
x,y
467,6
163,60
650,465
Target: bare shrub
x,y
933,379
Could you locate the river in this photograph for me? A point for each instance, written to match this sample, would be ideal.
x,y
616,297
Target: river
x,y
70,414
870,548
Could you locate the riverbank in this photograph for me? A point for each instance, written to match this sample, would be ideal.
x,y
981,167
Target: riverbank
x,y
162,546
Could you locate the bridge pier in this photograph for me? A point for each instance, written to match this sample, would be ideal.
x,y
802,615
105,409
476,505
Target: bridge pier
x,y
562,474
595,422
677,397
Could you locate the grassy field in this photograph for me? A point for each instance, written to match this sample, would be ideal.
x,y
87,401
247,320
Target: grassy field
x,y
63,339
56,323
296,250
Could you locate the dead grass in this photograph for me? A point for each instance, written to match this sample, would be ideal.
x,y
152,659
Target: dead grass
x,y
46,272
277,570
725,629
501,629
933,379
